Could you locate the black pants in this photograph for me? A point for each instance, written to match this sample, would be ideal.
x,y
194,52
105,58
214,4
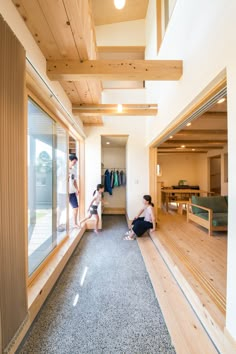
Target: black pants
x,y
140,226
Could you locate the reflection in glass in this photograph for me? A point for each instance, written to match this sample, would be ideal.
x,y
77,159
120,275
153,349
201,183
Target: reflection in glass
x,y
47,185
62,183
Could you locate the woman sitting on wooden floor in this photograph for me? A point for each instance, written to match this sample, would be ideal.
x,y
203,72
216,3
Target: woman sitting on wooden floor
x,y
141,224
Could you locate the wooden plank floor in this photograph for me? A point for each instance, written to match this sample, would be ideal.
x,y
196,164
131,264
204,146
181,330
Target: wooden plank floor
x,y
198,262
187,334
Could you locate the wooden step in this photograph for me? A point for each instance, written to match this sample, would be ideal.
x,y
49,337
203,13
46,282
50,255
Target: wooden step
x,y
187,334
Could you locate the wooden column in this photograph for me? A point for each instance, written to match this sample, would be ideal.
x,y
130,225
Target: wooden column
x,y
13,212
153,177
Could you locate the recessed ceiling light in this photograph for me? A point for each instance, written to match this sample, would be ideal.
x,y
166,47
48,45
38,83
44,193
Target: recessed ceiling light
x,y
188,124
119,4
171,137
221,100
193,149
108,142
119,108
182,146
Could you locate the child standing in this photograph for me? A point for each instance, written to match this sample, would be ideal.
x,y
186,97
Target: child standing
x,y
93,207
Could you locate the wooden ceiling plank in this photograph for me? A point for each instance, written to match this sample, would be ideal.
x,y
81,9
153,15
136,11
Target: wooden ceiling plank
x,y
58,21
128,70
71,91
95,89
121,49
35,20
83,91
73,8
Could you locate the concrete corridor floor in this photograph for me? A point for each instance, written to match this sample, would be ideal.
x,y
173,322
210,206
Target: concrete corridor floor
x,y
103,302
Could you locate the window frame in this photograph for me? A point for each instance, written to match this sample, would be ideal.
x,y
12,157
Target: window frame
x,y
31,96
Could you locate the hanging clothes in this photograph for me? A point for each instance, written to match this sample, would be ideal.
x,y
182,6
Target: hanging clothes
x,y
112,179
107,182
118,177
116,182
123,178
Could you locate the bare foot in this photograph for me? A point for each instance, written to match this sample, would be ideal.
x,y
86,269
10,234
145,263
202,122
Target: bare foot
x,y
76,226
128,238
96,231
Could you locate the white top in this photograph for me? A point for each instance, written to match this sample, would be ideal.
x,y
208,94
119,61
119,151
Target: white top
x,y
148,213
98,199
72,178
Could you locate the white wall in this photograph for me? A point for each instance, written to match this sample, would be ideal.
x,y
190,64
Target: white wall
x,y
137,160
202,34
190,167
115,158
121,34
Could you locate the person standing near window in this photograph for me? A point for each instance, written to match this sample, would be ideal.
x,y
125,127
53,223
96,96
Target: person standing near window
x,y
73,188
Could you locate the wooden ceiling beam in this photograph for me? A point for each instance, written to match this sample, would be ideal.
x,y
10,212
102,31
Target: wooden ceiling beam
x,y
114,70
167,148
121,49
202,132
111,110
189,142
213,115
183,152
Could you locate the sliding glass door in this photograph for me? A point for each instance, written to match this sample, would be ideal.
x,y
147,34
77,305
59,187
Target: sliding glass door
x,y
47,185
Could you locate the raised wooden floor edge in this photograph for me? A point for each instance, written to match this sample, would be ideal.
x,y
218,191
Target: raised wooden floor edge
x,y
41,287
216,333
187,333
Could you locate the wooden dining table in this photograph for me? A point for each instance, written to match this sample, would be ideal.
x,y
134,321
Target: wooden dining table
x,y
169,193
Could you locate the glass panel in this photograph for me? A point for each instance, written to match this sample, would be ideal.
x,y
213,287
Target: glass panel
x,y
62,183
73,183
40,183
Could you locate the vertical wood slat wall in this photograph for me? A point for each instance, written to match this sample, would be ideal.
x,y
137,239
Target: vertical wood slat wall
x,y
13,228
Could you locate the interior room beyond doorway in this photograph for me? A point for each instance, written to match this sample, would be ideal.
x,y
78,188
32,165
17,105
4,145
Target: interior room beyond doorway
x,y
114,173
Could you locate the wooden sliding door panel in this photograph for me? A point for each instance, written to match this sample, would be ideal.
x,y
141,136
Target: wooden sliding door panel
x,y
13,228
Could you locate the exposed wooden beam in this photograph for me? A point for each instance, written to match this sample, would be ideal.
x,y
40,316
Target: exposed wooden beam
x,y
121,49
213,115
116,70
182,152
189,142
191,147
202,132
111,110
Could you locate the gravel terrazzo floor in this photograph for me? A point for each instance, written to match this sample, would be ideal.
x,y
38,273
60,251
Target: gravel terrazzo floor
x,y
103,303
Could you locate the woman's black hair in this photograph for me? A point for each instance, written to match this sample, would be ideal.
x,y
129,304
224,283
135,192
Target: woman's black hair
x,y
73,157
148,198
99,186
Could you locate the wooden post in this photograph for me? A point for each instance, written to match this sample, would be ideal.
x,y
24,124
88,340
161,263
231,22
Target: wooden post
x,y
153,178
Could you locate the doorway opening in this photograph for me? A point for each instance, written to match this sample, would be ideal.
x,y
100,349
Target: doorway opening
x,y
114,173
215,174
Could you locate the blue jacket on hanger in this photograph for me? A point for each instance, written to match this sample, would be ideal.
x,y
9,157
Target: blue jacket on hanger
x,y
107,182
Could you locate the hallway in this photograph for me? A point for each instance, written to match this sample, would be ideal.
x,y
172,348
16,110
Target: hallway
x,y
103,302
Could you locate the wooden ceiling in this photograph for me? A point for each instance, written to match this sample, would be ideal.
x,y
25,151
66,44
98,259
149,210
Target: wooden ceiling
x,y
59,34
64,31
206,133
105,12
